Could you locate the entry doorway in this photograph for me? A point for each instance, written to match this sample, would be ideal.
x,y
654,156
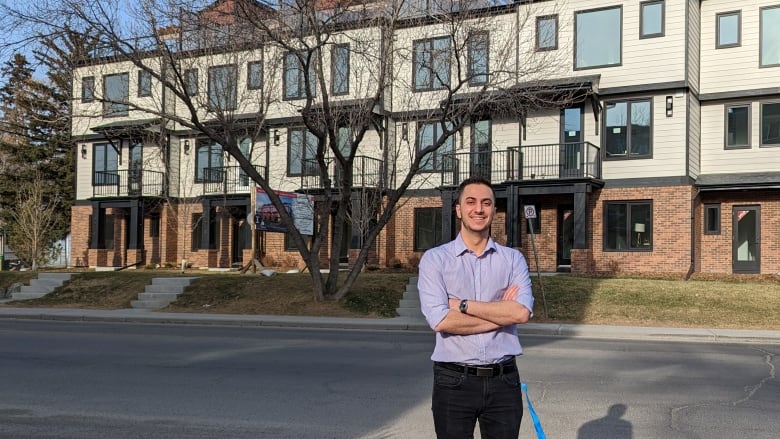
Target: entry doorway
x,y
565,237
746,239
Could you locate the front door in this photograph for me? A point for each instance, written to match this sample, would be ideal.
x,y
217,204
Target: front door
x,y
571,147
746,241
135,168
565,237
480,148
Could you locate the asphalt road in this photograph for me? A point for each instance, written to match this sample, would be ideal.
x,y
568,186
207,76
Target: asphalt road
x,y
121,380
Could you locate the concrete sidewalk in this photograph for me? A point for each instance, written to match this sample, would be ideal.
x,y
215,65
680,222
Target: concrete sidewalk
x,y
388,324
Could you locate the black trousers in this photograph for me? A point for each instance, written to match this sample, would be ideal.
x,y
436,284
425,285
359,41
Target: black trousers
x,y
461,399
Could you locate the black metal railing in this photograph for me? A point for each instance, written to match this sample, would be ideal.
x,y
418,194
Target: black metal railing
x,y
367,172
556,161
128,183
227,179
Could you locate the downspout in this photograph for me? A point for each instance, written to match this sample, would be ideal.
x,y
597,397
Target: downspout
x,y
692,267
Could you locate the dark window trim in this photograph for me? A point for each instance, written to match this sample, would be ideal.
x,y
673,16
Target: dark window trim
x,y
88,97
760,33
628,156
718,16
210,145
191,87
417,88
437,212
95,181
761,125
301,88
437,167
154,225
214,106
305,134
708,228
112,108
620,7
628,225
249,66
333,69
142,92
726,126
642,5
471,75
555,44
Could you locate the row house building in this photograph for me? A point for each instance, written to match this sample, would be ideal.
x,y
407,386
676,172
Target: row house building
x,y
620,136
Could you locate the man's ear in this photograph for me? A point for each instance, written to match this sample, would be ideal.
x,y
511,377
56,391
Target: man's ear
x,y
457,211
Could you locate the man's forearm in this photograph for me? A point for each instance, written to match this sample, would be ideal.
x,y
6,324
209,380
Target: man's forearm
x,y
464,324
501,313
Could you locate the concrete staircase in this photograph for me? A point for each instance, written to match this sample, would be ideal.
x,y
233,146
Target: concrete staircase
x,y
43,285
161,292
410,303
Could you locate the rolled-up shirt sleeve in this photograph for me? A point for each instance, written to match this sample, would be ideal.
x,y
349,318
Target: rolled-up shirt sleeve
x,y
521,277
434,300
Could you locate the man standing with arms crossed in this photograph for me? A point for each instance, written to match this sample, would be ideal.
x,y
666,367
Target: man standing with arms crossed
x,y
473,293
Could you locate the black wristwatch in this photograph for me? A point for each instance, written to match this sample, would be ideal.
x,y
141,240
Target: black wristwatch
x,y
464,306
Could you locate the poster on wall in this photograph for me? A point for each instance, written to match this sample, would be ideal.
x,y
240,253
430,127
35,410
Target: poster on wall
x,y
299,206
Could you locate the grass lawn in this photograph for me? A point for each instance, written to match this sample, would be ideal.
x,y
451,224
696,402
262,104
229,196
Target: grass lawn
x,y
725,302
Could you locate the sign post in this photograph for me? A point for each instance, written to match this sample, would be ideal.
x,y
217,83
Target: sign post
x,y
529,211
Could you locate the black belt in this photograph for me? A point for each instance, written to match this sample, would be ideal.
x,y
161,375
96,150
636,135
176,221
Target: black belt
x,y
485,370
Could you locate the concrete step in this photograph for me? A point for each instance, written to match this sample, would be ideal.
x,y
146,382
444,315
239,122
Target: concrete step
x,y
46,283
58,276
161,292
173,280
149,304
24,295
163,288
409,303
146,295
35,289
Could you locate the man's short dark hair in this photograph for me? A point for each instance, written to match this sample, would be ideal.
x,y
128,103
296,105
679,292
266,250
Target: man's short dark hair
x,y
473,180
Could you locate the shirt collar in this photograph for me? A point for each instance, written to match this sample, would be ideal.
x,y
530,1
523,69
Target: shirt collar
x,y
459,247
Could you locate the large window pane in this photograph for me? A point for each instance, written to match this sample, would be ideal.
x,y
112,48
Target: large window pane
x,y
427,228
254,75
770,36
340,69
738,126
728,28
616,129
208,162
302,150
628,129
628,226
191,82
116,92
598,39
144,83
770,124
88,89
478,58
104,165
547,33
640,128
429,133
652,19
223,87
431,64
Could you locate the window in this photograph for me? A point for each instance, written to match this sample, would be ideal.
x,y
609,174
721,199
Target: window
x,y
431,64
105,231
535,223
254,75
295,77
223,88
547,32
427,228
480,160
144,83
652,19
88,89
770,123
191,82
339,69
104,165
770,36
116,90
301,152
245,146
289,243
738,126
197,231
628,226
428,133
208,162
479,60
598,38
628,130
154,225
728,29
712,219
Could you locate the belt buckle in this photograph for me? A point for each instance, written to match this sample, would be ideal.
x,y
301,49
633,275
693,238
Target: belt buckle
x,y
484,371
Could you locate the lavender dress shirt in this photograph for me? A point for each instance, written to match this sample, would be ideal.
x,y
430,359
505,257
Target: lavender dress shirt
x,y
451,270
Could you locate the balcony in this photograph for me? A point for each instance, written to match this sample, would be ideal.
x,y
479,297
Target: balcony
x,y
367,172
557,161
227,180
128,183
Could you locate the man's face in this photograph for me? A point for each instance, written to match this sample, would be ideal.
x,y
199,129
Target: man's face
x,y
476,208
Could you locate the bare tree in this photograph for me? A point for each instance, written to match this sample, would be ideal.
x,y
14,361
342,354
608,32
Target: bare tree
x,y
408,60
32,231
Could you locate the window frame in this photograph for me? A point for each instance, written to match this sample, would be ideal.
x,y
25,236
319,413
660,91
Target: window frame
x,y
642,6
620,33
726,125
720,15
437,166
87,89
154,225
213,149
144,83
474,44
196,238
708,228
432,77
113,107
300,90
538,46
437,238
761,28
335,91
191,82
761,125
250,83
213,101
105,165
305,135
628,154
629,222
